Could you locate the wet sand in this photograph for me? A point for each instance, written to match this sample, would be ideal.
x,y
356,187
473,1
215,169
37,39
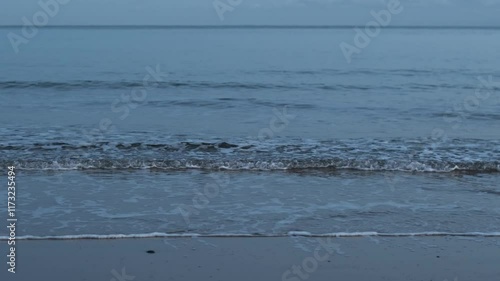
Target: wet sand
x,y
283,258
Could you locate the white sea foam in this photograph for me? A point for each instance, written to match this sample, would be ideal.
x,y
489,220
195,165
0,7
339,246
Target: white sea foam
x,y
248,235
290,154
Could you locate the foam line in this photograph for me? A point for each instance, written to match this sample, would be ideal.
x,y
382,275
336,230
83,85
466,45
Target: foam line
x,y
244,235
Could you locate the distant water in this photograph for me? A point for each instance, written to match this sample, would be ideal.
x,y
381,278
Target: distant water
x,y
405,139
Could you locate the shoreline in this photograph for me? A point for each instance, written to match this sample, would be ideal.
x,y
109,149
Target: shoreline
x,y
304,234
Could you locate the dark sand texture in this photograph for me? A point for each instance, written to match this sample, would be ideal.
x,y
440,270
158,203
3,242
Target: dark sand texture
x,y
362,258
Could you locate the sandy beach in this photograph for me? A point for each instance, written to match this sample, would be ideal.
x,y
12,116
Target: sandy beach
x,y
286,258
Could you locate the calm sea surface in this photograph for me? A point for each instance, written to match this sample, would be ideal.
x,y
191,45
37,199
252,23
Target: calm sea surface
x,y
258,131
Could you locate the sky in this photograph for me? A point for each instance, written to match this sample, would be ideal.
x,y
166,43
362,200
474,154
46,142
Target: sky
x,y
252,12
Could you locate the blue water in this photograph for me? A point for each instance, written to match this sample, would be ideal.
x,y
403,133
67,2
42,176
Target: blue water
x,y
405,138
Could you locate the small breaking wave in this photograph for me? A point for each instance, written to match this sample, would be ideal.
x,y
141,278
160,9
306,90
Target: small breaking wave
x,y
472,156
256,165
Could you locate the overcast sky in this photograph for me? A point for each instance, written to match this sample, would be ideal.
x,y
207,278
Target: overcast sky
x,y
273,12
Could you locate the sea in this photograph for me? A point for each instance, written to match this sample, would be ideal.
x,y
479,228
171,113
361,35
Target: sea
x,y
166,131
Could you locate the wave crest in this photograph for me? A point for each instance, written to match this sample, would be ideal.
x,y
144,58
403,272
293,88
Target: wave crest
x,y
256,165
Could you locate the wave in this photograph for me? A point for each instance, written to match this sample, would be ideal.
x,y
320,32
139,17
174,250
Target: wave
x,y
256,165
475,156
255,235
95,84
102,84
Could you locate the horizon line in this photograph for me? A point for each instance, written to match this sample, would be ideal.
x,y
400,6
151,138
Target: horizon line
x,y
257,26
